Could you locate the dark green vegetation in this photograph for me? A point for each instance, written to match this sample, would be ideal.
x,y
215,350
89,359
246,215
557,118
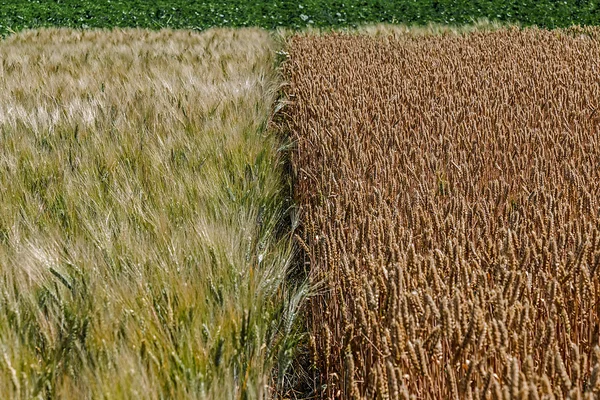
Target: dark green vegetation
x,y
193,14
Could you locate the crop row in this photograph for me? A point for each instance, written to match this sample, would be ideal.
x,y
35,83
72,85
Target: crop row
x,y
17,15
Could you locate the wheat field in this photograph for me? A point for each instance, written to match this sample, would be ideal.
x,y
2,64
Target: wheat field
x,y
449,191
143,217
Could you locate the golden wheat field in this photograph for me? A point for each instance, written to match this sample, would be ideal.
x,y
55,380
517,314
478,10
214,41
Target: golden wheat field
x,y
449,188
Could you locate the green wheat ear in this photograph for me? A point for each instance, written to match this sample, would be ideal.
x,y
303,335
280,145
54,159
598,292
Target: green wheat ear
x,y
135,166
